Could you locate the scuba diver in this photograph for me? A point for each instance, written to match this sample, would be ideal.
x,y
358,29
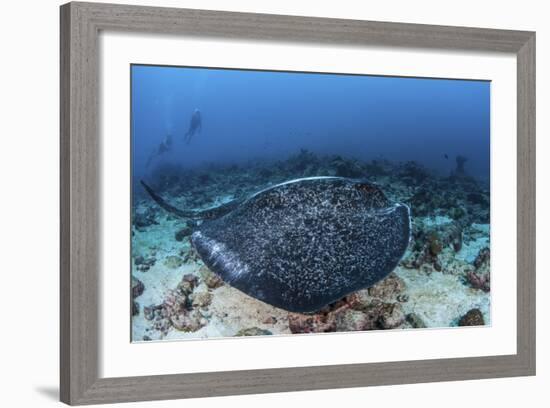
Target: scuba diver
x,y
195,124
164,146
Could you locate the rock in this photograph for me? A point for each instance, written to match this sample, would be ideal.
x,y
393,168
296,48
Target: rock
x,y
359,300
388,288
135,308
429,243
456,213
137,287
182,233
483,257
382,315
415,321
354,320
434,244
146,338
318,323
188,283
253,331
479,281
148,312
391,316
474,317
270,320
358,311
173,262
175,303
144,264
177,308
201,299
452,235
187,322
211,280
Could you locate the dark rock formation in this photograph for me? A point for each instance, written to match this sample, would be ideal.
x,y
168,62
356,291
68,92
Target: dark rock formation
x,y
474,317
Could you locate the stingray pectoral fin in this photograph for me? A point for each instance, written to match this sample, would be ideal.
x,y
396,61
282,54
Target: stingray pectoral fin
x,y
163,204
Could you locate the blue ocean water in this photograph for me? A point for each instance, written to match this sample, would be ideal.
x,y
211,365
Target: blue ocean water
x,y
266,115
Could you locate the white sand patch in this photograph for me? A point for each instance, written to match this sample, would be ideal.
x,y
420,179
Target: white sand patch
x,y
237,311
441,299
475,239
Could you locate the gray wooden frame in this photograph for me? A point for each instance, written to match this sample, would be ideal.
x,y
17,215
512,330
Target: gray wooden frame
x,y
80,234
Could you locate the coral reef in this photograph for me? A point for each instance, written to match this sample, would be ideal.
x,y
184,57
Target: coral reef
x,y
368,309
430,240
180,308
442,280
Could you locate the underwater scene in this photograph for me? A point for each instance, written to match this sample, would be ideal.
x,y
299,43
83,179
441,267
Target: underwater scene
x,y
279,203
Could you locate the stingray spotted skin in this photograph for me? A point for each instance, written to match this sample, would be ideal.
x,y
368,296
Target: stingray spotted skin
x,y
303,244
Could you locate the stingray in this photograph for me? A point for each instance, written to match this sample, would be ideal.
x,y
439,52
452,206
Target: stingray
x,y
302,244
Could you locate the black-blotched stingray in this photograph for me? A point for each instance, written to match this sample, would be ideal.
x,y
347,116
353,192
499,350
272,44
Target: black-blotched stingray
x,y
302,244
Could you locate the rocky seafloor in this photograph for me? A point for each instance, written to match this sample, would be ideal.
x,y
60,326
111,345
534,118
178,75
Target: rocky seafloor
x,y
442,281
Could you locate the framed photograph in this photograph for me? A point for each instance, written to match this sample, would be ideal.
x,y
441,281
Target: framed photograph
x,y
258,203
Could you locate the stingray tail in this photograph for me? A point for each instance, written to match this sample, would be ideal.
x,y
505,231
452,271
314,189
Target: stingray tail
x,y
170,208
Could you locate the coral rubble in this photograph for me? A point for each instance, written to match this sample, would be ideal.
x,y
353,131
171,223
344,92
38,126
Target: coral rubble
x,y
443,279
